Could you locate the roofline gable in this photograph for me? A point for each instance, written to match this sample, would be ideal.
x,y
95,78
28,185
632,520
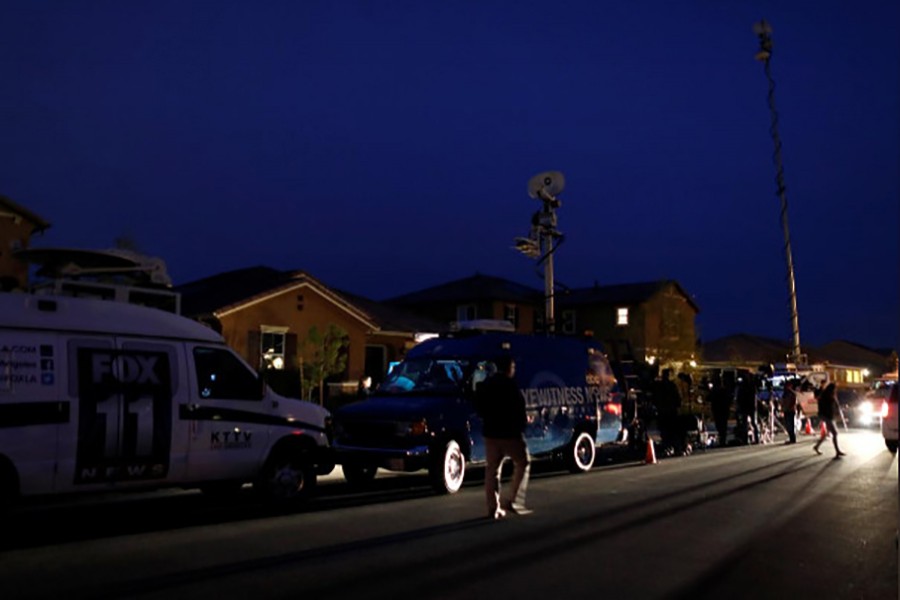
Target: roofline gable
x,y
303,281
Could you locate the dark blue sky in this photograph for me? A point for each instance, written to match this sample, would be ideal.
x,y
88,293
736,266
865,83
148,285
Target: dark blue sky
x,y
386,146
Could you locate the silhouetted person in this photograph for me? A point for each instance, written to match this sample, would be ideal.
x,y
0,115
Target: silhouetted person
x,y
668,401
746,407
720,402
501,407
789,408
828,407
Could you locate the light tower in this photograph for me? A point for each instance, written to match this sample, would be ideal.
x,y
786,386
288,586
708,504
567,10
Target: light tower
x,y
764,31
544,238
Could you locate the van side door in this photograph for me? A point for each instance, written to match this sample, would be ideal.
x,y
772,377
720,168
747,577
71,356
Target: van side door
x,y
123,394
227,416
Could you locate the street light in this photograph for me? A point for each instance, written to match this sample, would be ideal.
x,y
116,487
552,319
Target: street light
x,y
544,238
764,32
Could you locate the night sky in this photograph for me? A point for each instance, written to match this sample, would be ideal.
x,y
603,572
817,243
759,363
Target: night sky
x,y
386,146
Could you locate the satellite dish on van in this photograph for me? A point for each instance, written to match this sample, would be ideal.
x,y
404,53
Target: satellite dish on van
x,y
545,186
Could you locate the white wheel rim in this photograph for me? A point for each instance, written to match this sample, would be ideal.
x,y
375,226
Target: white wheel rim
x,y
454,467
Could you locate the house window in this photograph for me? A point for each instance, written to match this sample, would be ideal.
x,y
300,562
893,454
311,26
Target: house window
x,y
466,312
568,321
511,314
622,316
272,345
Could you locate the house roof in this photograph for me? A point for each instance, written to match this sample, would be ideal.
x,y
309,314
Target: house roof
x,y
745,348
227,292
8,206
625,293
470,289
393,318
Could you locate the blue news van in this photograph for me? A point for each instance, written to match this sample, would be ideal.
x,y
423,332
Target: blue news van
x,y
422,415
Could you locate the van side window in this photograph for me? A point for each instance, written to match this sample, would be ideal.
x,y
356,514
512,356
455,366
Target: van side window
x,y
221,375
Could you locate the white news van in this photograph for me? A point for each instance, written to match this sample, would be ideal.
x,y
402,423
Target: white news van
x,y
99,396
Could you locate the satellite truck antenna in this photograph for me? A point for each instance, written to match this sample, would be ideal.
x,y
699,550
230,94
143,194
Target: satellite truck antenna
x,y
546,187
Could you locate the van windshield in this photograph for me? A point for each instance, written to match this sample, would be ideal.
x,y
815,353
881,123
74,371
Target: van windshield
x,y
426,375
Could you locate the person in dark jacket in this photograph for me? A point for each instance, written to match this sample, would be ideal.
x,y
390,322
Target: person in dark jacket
x,y
667,399
828,406
789,408
501,406
746,407
720,402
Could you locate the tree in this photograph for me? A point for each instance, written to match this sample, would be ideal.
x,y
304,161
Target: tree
x,y
328,357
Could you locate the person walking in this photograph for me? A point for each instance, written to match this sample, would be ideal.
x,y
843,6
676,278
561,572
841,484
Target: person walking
x,y
789,408
501,406
828,406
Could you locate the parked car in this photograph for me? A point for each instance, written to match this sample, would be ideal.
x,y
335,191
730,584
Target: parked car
x,y
889,419
865,409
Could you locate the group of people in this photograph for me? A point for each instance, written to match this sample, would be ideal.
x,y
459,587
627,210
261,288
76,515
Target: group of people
x,y
501,407
747,410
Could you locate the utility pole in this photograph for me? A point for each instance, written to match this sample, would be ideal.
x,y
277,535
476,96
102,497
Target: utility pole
x,y
764,31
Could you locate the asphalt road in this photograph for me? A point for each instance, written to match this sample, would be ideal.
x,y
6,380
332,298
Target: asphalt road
x,y
742,522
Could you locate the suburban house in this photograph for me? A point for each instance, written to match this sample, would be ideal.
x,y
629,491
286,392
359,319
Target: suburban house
x,y
646,321
849,365
478,297
654,322
17,226
267,315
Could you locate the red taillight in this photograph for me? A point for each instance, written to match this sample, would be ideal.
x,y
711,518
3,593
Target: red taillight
x,y
885,409
613,408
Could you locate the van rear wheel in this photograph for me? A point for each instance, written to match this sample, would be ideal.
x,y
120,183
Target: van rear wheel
x,y
581,453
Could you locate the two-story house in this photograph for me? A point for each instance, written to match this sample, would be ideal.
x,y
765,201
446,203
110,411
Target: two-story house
x,y
652,321
17,226
657,319
477,297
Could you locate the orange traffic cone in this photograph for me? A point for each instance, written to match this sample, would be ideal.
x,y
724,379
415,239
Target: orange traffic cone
x,y
651,454
808,430
823,431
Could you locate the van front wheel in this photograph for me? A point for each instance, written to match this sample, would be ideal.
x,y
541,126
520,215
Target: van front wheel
x,y
288,476
581,453
448,468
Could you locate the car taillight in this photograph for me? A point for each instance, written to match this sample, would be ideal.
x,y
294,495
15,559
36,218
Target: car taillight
x,y
885,409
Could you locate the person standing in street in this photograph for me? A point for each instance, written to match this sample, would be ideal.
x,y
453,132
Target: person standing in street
x,y
668,400
748,421
501,406
828,406
720,402
789,408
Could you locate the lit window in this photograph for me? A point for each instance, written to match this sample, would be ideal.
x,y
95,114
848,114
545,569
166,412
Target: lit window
x,y
272,345
622,316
